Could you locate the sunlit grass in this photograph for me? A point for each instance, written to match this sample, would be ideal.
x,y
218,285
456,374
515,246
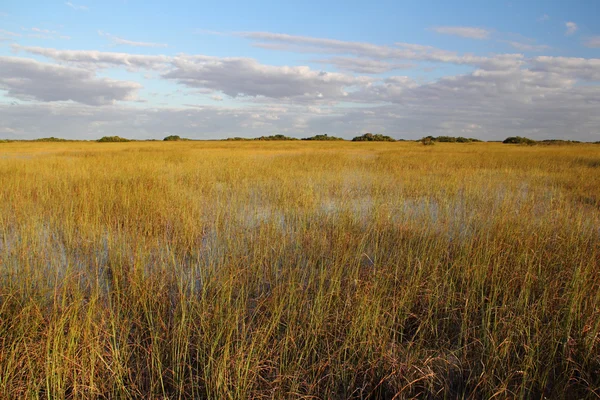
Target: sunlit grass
x,y
299,269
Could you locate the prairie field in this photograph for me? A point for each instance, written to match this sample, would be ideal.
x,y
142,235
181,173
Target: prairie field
x,y
314,270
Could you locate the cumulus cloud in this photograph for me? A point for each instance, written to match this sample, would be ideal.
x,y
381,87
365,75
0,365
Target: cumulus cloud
x,y
28,79
571,28
247,77
587,69
463,31
98,59
120,41
233,76
481,86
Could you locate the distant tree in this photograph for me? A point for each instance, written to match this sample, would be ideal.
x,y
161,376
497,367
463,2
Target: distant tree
x,y
557,142
518,140
427,141
452,139
51,139
174,138
444,139
113,139
322,137
369,137
275,137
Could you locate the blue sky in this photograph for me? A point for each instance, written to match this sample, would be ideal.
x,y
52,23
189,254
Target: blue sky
x,y
208,70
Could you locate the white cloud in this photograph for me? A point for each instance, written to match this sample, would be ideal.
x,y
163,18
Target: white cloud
x,y
400,51
120,41
593,42
217,97
527,46
76,6
463,31
307,44
27,79
432,109
247,77
98,59
362,65
126,42
233,76
321,45
587,69
571,28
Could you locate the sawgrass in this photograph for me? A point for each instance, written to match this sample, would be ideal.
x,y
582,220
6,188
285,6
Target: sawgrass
x,y
235,270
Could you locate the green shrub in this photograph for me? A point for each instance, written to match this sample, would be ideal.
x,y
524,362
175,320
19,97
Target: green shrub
x,y
369,137
174,138
427,141
51,139
275,137
444,139
518,140
452,139
107,139
322,137
557,142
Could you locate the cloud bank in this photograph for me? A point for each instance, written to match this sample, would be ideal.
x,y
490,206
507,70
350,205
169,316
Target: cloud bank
x,y
373,87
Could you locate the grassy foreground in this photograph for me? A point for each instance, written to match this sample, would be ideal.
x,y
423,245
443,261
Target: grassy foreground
x,y
236,270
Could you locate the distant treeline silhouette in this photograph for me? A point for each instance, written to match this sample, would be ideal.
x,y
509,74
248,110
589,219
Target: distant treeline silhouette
x,y
367,137
449,139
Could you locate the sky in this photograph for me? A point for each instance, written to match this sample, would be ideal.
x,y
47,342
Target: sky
x,y
84,69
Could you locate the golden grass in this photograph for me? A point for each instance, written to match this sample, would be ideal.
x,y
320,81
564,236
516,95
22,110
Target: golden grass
x,y
235,270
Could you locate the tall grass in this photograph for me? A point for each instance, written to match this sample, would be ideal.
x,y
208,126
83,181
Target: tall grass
x,y
235,270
